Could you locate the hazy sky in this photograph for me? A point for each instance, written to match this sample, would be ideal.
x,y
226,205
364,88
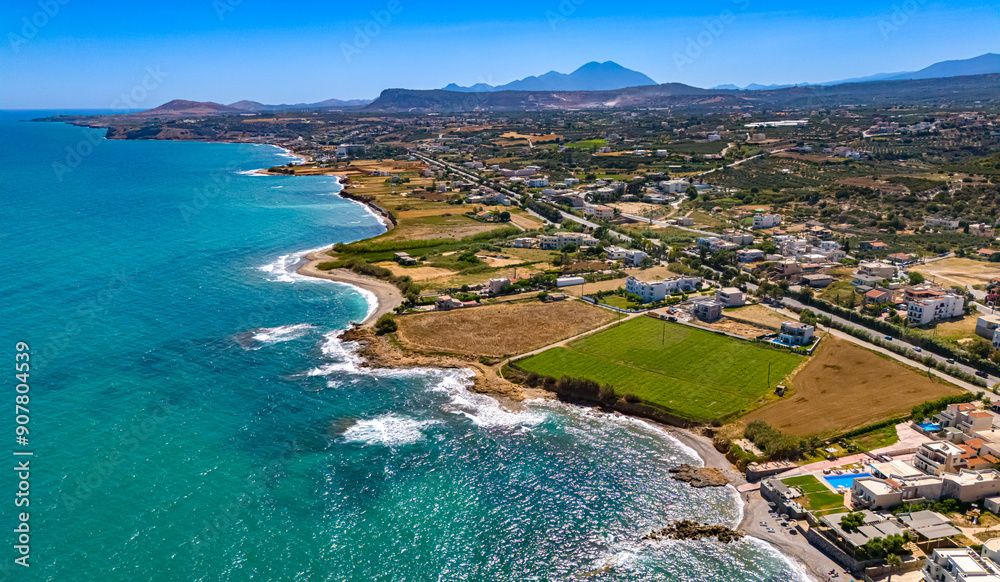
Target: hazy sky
x,y
102,54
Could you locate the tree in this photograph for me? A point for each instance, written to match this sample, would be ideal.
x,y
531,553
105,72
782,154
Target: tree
x,y
916,278
505,216
852,521
979,347
894,562
692,192
385,324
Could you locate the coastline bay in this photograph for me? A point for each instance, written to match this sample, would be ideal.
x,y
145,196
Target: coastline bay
x,y
198,417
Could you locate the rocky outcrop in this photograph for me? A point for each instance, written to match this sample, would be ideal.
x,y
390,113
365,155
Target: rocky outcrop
x,y
689,530
699,477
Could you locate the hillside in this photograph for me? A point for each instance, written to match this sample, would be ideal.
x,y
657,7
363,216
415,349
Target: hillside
x,y
954,91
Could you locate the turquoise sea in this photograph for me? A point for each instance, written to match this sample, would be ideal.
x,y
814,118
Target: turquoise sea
x,y
194,416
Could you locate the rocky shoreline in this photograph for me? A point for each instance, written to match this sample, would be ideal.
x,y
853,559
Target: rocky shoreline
x,y
377,352
699,477
689,530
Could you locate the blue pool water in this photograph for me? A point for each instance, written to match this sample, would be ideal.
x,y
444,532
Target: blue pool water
x,y
930,427
839,481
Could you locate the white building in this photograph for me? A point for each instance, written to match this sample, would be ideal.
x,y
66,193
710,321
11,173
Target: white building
x,y
632,257
599,212
537,182
766,220
941,223
658,290
749,255
935,308
730,297
962,565
677,186
795,333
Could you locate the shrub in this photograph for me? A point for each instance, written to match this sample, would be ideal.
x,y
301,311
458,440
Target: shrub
x,y
385,324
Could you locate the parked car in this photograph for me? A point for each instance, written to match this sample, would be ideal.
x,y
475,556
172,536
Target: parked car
x,y
917,349
672,319
888,338
950,360
982,374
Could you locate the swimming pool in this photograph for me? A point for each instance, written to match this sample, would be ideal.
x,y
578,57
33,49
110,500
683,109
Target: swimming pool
x,y
847,480
930,427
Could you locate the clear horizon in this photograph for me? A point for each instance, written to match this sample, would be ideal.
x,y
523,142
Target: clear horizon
x,y
61,55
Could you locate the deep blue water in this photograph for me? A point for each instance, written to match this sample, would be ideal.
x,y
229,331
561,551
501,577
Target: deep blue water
x,y
195,417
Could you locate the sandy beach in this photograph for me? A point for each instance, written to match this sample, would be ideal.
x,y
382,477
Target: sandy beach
x,y
386,294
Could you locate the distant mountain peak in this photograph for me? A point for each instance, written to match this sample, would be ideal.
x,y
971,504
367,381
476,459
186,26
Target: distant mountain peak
x,y
592,76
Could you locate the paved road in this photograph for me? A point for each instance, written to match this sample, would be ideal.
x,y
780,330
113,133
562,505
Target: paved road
x,y
992,381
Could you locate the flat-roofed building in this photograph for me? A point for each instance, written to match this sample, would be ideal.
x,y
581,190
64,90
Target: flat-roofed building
x,y
730,297
939,457
795,333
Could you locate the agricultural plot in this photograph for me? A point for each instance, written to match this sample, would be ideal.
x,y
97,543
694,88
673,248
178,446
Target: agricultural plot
x,y
694,373
845,386
499,330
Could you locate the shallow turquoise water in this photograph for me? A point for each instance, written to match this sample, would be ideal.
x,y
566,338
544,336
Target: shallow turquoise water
x,y
195,417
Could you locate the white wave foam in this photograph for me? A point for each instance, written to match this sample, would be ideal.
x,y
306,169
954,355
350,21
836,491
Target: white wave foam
x,y
621,419
284,333
256,172
388,430
276,187
283,269
483,410
740,505
285,153
344,355
381,219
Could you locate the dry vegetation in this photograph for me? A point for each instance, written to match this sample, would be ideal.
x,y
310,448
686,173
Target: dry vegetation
x,y
759,315
499,330
957,271
844,387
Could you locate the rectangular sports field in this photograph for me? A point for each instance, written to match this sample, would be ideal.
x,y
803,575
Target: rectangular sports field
x,y
694,373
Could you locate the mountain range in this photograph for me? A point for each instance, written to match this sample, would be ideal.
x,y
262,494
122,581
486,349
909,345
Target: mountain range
x,y
593,76
935,92
608,84
986,64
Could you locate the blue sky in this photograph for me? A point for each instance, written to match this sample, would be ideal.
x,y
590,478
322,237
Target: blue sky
x,y
103,54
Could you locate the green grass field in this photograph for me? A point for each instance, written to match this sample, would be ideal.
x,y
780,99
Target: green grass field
x,y
816,496
695,374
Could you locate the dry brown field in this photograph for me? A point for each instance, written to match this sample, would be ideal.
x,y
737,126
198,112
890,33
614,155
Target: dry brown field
x,y
500,330
955,271
844,386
